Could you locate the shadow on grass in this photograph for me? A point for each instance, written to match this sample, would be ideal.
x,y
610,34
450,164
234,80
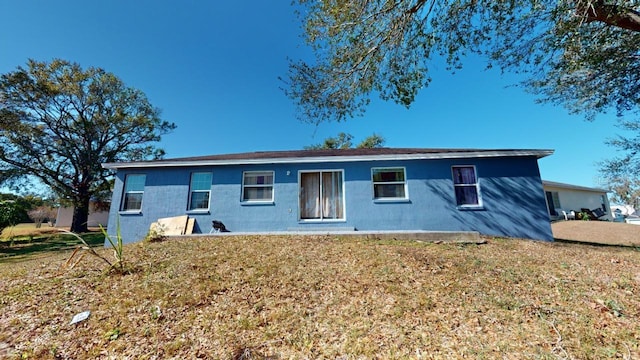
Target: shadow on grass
x,y
27,247
593,243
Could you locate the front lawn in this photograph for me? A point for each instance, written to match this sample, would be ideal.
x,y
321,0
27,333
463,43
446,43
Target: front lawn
x,y
291,297
25,242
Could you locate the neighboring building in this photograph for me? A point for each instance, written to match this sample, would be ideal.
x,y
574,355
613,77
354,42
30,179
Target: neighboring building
x,y
565,197
98,215
494,192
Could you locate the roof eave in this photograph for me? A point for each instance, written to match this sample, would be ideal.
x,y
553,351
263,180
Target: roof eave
x,y
314,159
557,185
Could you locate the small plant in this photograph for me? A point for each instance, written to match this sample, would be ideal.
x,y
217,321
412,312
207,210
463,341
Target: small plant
x,y
112,334
156,312
614,308
584,216
117,245
155,234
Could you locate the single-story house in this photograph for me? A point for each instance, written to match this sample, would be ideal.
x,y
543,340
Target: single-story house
x,y
566,197
494,192
98,215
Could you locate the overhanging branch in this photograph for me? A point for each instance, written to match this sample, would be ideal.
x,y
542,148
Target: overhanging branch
x,y
614,15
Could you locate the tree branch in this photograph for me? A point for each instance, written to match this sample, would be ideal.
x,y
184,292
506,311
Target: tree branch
x,y
614,15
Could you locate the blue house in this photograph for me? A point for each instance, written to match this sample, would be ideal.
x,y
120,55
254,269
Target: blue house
x,y
494,192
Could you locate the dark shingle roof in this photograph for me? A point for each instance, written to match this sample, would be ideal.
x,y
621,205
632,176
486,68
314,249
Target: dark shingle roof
x,y
323,153
330,155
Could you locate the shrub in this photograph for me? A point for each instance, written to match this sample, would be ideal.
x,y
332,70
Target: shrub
x,y
10,214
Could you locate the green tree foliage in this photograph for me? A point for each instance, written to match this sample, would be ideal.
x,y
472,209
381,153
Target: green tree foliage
x,y
373,141
622,173
60,122
11,213
343,141
582,54
21,205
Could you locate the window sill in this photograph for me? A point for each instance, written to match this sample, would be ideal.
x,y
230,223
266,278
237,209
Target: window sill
x,y
321,221
130,212
470,207
391,200
256,203
198,212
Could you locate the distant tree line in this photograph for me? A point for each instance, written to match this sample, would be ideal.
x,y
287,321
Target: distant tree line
x,y
344,141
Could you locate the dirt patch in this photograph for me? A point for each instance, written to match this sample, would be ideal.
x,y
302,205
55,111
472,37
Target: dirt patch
x,y
600,232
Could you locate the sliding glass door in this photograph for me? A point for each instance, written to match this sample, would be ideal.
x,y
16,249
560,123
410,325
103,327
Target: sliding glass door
x,y
321,195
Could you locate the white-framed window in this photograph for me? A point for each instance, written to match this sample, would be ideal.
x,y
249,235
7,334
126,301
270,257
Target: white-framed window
x,y
321,195
257,186
466,187
199,191
389,183
133,191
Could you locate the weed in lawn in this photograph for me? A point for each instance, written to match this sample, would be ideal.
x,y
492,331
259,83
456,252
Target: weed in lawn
x,y
118,251
155,235
156,313
614,307
112,334
53,351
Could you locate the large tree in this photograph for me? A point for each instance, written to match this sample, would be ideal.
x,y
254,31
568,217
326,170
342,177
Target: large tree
x,y
59,122
582,54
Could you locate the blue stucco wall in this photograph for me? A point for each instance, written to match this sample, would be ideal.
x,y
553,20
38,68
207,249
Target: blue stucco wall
x,y
511,189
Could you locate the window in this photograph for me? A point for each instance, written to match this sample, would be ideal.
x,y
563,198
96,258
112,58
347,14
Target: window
x,y
465,184
321,195
199,191
389,183
133,190
553,202
257,186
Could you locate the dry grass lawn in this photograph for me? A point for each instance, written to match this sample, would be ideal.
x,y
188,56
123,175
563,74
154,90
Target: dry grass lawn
x,y
325,297
602,232
25,230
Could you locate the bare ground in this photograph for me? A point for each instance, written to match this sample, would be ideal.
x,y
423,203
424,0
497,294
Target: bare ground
x,y
600,232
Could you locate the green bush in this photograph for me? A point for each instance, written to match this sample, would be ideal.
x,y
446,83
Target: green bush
x,y
10,214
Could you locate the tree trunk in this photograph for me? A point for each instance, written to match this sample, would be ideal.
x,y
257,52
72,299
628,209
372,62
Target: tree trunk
x,y
80,214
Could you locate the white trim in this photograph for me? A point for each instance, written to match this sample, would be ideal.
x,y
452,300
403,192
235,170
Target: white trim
x,y
404,183
557,185
330,159
191,191
272,186
121,208
344,196
477,206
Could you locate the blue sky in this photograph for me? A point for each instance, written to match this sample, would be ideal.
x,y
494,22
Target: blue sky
x,y
213,68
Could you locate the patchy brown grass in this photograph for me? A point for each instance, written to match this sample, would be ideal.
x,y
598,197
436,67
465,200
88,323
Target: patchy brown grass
x,y
27,229
598,232
326,297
